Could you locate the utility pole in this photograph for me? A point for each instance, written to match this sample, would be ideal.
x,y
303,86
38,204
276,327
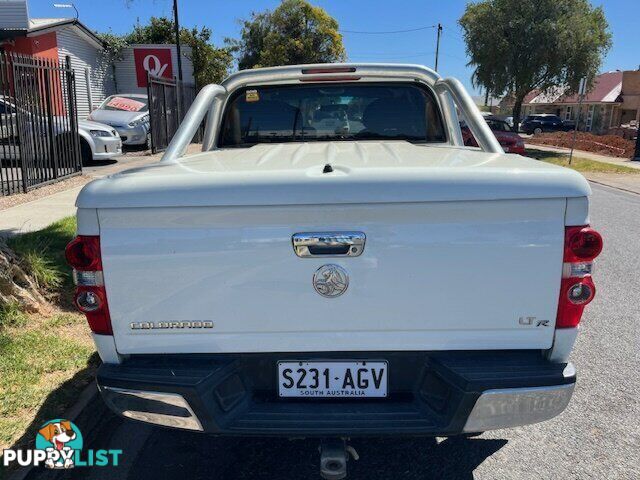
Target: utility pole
x,y
438,44
176,25
636,156
582,89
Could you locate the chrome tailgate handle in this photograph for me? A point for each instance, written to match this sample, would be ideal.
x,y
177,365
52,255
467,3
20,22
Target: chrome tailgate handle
x,y
328,244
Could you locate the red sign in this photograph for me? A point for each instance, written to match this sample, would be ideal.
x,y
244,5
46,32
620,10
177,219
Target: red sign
x,y
128,104
156,61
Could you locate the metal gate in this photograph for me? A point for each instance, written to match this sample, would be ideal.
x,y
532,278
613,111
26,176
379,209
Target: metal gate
x,y
169,100
39,141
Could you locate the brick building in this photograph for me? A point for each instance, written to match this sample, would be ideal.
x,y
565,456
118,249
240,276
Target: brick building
x,y
613,100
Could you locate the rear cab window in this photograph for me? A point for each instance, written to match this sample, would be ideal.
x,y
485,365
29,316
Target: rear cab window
x,y
331,112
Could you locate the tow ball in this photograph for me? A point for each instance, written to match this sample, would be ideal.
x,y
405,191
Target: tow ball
x,y
334,453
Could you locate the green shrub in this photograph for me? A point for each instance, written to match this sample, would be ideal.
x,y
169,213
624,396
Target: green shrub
x,y
42,254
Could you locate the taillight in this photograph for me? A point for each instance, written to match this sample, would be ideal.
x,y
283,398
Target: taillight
x,y
581,246
83,254
581,243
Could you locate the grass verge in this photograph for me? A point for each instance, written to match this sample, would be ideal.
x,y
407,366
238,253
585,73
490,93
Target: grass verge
x,y
44,361
580,164
42,369
42,254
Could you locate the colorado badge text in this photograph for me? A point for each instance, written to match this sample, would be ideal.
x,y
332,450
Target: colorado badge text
x,y
170,325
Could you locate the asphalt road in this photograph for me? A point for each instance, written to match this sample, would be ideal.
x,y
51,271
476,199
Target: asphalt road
x,y
597,437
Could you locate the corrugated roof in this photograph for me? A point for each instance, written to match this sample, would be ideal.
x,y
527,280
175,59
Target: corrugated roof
x,y
549,96
531,95
37,25
606,88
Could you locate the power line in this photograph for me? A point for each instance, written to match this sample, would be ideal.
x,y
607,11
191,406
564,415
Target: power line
x,y
388,31
390,55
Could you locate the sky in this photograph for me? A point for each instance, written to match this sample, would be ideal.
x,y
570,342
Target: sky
x,y
418,46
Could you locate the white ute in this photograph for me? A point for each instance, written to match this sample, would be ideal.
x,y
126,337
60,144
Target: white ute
x,y
336,263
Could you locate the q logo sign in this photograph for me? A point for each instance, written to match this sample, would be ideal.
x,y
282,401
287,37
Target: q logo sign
x,y
156,61
152,64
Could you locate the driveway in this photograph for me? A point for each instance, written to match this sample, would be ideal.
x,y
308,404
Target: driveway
x,y
596,438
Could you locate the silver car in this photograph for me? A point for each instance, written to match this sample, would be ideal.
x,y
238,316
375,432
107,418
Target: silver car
x,y
128,114
97,140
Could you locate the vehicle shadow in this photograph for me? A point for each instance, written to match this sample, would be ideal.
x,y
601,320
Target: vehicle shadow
x,y
169,455
99,163
542,154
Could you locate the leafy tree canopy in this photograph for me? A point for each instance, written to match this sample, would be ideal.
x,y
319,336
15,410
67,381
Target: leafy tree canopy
x,y
210,64
294,33
518,46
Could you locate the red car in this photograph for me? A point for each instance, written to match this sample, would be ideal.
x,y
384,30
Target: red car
x,y
511,142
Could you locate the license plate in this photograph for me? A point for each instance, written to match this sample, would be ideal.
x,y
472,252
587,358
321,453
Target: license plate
x,y
332,379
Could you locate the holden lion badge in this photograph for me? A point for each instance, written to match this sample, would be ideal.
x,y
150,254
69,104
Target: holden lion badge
x,y
330,281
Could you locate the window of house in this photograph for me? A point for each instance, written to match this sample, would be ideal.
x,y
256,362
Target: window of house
x,y
589,121
568,112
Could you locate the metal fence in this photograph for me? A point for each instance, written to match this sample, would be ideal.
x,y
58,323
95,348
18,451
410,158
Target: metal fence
x,y
39,141
169,100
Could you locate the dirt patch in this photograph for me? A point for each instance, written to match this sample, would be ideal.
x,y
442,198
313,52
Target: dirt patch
x,y
611,145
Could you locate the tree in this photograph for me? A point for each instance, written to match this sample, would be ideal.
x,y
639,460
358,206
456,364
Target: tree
x,y
210,64
294,33
517,47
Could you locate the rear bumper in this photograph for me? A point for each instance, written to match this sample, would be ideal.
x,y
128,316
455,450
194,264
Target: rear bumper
x,y
429,394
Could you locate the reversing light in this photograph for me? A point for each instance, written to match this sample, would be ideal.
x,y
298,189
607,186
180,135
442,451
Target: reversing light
x,y
577,270
88,278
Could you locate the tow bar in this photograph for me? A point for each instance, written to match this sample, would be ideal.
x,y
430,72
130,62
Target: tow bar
x,y
334,453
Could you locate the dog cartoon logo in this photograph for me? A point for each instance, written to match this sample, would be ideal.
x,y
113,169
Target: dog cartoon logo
x,y
60,439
